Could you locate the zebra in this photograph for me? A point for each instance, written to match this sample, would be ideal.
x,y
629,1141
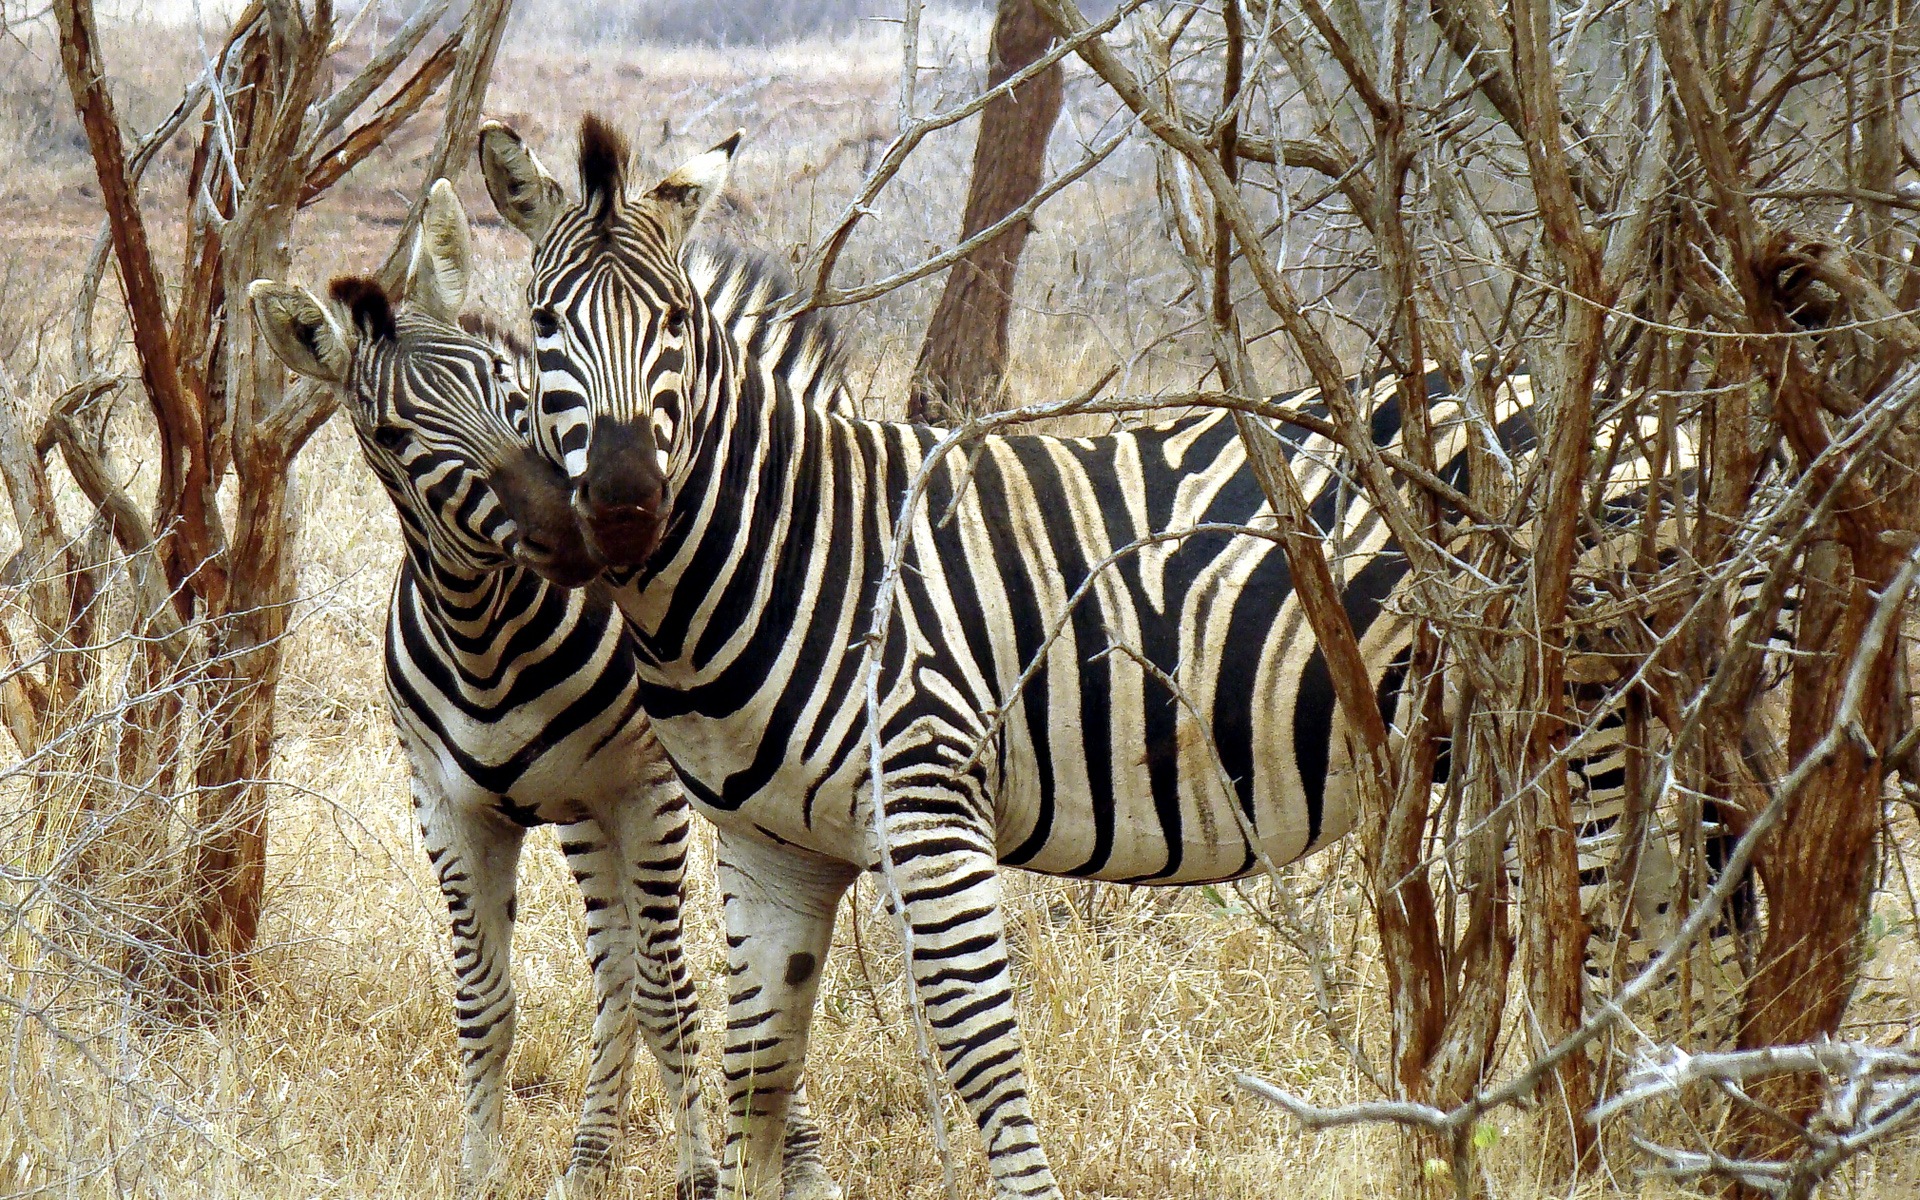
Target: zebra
x,y
747,532
516,698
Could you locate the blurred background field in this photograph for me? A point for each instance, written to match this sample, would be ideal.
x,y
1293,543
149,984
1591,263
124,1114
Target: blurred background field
x,y
339,1081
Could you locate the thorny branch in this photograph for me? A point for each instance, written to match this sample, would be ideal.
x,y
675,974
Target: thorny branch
x,y
1663,223
1451,1122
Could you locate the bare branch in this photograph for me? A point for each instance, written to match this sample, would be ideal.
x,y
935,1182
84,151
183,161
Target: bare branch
x,y
480,35
394,112
816,273
334,111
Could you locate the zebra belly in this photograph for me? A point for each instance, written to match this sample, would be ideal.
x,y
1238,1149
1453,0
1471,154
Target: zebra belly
x,y
1060,821
1161,813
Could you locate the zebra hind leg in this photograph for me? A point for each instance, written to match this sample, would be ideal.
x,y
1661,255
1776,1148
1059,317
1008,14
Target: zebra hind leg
x,y
780,906
477,861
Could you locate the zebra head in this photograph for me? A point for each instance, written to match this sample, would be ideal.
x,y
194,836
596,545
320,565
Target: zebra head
x,y
626,345
439,405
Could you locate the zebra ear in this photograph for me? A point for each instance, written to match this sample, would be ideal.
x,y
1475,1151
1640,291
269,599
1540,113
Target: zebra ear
x,y
526,197
682,198
300,330
442,256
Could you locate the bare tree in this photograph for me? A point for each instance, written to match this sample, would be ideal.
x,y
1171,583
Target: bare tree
x,y
273,135
1680,234
963,360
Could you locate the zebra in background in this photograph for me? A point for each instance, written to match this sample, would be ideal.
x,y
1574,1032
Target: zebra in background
x,y
747,532
516,699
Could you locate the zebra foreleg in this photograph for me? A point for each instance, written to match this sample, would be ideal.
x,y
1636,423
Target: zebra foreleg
x,y
653,831
477,859
804,1175
780,906
948,878
613,952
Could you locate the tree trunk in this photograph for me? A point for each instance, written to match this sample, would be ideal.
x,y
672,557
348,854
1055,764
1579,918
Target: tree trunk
x,y
963,361
1820,866
220,400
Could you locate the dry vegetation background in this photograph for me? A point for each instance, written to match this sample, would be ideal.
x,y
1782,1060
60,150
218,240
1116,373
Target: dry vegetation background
x,y
339,1080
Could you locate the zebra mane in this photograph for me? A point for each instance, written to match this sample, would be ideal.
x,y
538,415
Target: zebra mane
x,y
746,290
367,304
603,166
492,330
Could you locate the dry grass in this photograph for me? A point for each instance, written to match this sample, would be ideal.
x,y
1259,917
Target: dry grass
x,y
339,1080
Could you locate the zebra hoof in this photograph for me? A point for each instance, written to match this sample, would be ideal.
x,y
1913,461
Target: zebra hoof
x,y
703,1184
809,1181
480,1184
580,1183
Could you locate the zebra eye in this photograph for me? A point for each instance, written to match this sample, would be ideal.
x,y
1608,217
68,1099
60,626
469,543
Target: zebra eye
x,y
519,416
545,324
676,320
390,438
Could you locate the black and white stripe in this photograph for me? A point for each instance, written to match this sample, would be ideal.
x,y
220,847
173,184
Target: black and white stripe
x,y
1017,723
516,699
517,705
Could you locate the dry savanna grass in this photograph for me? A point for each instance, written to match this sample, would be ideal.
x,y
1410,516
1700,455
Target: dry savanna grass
x,y
338,1079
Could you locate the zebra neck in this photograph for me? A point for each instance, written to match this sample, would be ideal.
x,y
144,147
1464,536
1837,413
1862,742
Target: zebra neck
x,y
475,612
757,477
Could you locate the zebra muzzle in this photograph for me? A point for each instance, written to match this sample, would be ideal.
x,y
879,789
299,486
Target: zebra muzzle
x,y
621,535
550,541
620,499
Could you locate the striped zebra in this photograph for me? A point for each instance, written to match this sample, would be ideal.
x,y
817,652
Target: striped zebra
x,y
1024,710
516,699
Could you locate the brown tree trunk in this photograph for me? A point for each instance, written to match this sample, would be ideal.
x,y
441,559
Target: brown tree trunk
x,y
1819,868
188,546
230,861
220,399
1552,929
963,361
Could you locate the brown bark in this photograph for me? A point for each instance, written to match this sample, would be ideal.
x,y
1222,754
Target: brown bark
x,y
963,361
1449,1004
1820,866
229,864
1553,930
1441,1047
185,485
220,398
1818,869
